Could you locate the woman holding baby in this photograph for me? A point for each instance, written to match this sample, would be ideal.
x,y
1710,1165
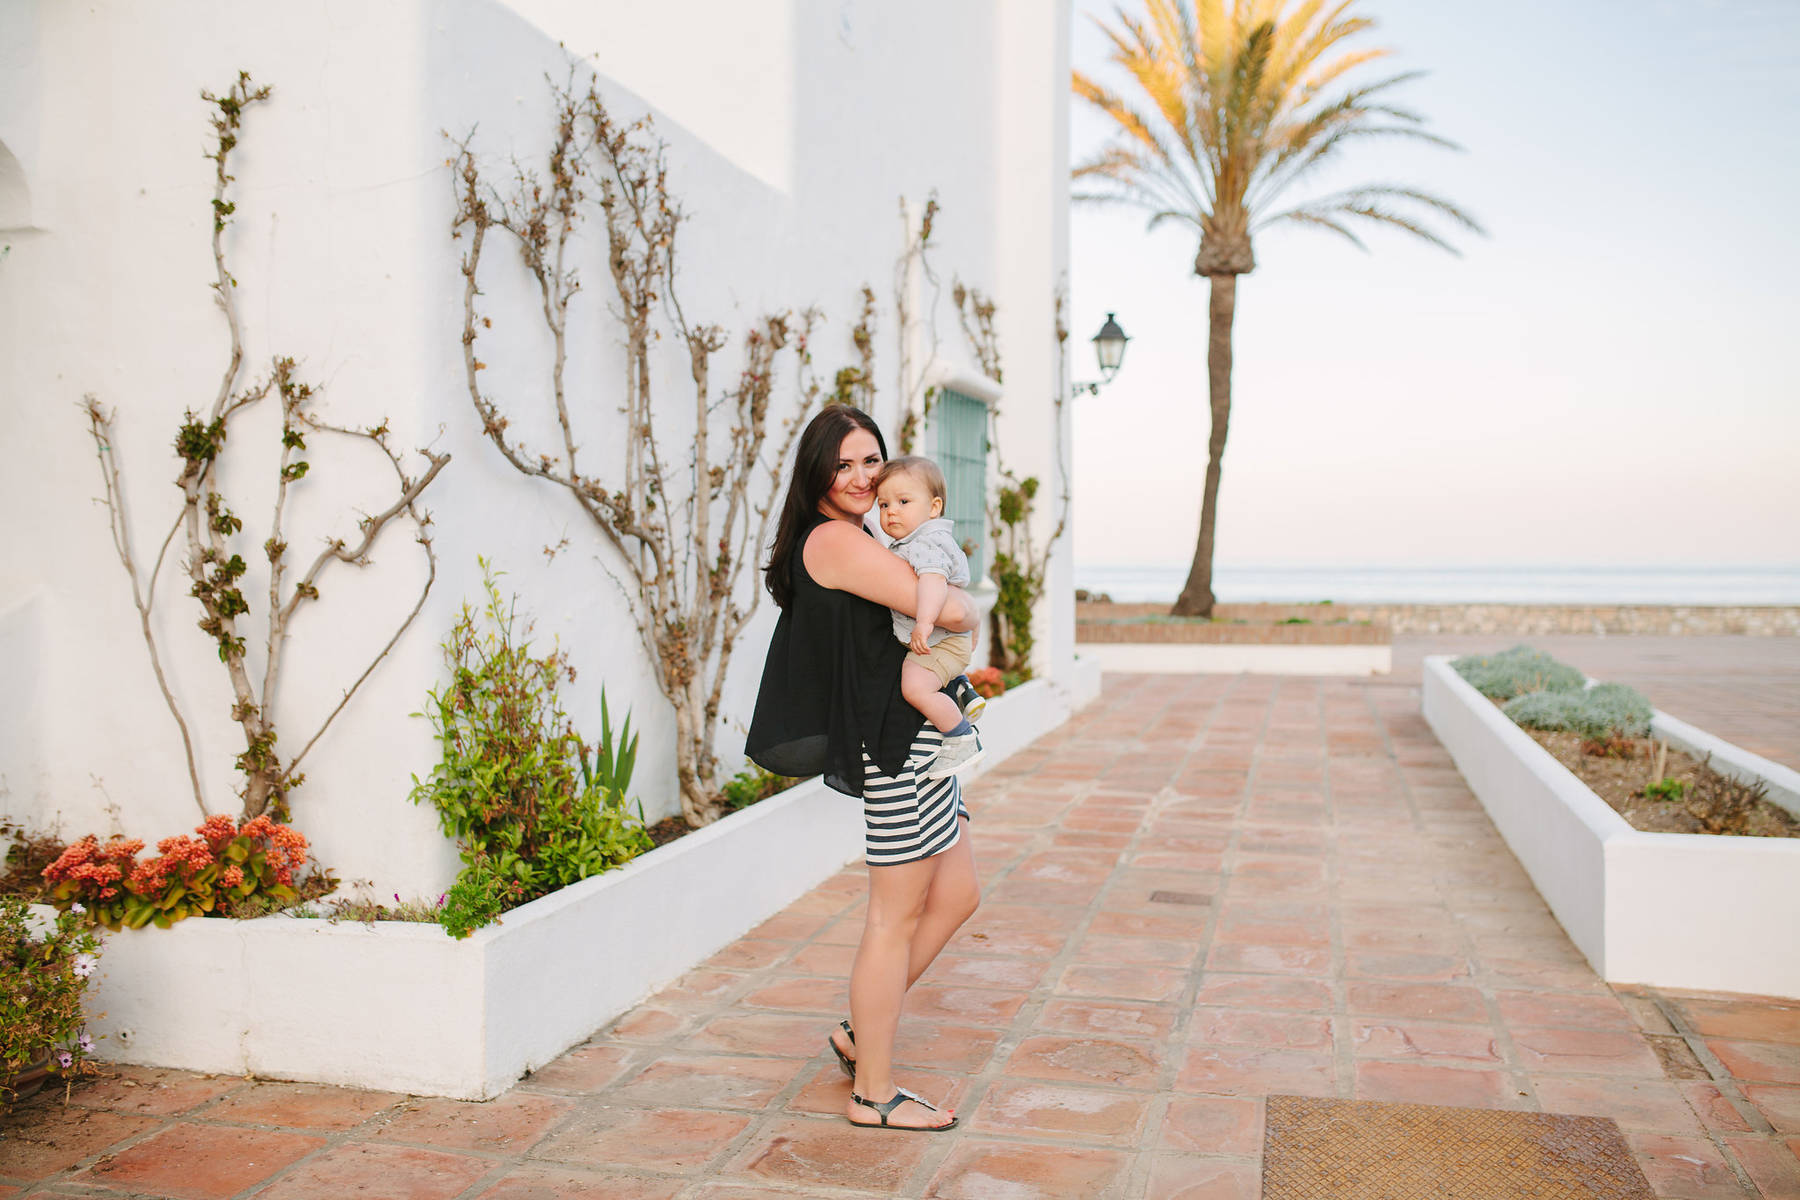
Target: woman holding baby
x,y
832,703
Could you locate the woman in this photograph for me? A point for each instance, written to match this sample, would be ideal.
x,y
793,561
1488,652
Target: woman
x,y
830,704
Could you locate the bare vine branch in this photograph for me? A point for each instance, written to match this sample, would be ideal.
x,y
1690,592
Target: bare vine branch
x,y
684,533
915,395
100,427
1020,563
212,565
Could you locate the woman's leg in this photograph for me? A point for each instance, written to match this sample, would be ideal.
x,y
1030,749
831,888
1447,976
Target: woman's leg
x,y
950,900
898,899
955,893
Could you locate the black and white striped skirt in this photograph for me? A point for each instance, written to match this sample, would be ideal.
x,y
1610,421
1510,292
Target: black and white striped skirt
x,y
910,817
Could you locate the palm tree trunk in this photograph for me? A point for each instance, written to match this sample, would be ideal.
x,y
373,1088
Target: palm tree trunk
x,y
1196,599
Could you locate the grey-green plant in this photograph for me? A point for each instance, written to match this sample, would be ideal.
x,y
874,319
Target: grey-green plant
x,y
1516,672
1596,713
515,786
1616,708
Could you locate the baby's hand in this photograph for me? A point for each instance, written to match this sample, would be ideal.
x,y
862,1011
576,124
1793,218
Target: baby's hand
x,y
921,638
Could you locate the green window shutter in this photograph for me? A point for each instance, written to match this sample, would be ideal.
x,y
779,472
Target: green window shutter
x,y
960,424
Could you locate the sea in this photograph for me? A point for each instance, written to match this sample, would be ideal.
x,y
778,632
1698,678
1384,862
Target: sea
x,y
1522,584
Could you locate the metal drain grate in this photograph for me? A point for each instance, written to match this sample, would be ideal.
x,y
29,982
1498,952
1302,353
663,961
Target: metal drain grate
x,y
1180,898
1363,1150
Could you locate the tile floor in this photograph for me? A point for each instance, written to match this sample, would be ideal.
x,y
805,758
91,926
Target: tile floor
x,y
1200,891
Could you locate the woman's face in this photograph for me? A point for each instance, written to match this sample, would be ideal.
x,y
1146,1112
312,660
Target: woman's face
x,y
852,492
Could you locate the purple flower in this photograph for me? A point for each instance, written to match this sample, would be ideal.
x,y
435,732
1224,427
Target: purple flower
x,y
65,1059
76,908
86,1043
85,965
441,896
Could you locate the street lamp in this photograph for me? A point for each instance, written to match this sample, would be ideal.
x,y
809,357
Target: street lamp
x,y
1109,348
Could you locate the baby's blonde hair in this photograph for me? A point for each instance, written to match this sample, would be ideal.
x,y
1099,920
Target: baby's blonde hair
x,y
920,468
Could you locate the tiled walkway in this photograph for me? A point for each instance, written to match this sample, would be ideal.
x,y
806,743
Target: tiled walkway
x,y
1201,891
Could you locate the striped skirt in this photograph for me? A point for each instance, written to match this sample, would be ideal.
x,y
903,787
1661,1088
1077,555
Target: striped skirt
x,y
907,816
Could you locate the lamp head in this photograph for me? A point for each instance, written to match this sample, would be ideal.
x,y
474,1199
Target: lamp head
x,y
1109,347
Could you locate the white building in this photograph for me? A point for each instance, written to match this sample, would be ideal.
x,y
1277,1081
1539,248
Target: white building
x,y
796,128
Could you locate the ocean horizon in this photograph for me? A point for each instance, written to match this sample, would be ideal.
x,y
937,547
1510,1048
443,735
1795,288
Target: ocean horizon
x,y
1518,584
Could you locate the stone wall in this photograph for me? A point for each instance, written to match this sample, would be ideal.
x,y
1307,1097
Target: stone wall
x,y
1523,619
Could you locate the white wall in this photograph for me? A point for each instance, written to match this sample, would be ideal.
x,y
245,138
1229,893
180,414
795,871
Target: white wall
x,y
793,131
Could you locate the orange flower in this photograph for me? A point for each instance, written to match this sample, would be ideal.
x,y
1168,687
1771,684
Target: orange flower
x,y
218,830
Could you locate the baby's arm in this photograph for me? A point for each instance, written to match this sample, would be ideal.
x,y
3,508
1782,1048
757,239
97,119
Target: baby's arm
x,y
933,588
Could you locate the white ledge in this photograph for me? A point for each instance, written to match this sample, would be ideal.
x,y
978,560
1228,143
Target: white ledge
x,y
403,1007
1711,913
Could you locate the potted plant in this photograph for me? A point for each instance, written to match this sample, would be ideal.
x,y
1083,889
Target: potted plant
x,y
45,965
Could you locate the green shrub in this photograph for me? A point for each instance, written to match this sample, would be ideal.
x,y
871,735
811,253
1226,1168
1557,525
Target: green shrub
x,y
1517,672
531,813
1666,789
44,969
752,784
1598,713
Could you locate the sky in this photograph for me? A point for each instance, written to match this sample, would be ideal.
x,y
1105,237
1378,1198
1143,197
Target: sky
x,y
1607,377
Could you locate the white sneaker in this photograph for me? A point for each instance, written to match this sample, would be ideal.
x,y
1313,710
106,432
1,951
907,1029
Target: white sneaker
x,y
957,755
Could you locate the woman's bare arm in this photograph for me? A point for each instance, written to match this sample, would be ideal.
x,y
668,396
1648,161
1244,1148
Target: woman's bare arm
x,y
839,555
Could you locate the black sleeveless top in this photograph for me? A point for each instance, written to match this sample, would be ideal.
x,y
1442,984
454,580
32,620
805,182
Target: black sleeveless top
x,y
831,686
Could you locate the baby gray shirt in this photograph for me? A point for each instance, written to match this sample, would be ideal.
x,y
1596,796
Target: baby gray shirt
x,y
931,549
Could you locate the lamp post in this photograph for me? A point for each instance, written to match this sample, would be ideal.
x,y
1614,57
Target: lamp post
x,y
1109,348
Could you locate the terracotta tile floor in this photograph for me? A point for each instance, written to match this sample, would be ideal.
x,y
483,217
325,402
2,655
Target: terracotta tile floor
x,y
1202,890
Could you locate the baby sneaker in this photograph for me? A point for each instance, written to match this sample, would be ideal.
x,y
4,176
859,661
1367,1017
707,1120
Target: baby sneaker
x,y
972,702
960,752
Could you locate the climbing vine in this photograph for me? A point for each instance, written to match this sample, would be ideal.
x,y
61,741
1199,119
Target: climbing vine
x,y
855,385
684,526
1019,563
211,529
915,262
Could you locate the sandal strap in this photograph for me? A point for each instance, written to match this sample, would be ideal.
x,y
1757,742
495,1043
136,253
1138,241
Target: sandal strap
x,y
848,1032
900,1096
905,1094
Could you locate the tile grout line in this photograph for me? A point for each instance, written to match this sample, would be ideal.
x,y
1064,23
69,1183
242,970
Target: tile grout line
x,y
1143,1161
1723,1079
1025,1020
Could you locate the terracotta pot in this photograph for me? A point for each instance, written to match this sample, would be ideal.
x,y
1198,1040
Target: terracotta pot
x,y
28,1079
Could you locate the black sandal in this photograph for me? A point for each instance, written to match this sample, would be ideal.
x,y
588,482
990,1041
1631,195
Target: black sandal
x,y
844,1060
901,1096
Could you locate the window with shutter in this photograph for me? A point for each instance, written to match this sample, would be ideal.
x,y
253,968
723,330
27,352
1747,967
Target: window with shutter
x,y
959,429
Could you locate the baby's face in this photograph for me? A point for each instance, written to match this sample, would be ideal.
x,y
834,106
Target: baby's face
x,y
905,504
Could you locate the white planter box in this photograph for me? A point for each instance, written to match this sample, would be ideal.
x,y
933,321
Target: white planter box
x,y
1667,909
403,1007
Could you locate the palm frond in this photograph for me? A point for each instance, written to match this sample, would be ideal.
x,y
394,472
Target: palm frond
x,y
1369,193
1303,217
1289,170
1231,102
1170,214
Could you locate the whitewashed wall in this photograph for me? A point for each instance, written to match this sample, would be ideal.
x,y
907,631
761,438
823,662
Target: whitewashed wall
x,y
795,127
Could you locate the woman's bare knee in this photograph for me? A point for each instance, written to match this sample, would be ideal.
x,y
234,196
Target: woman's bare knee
x,y
963,902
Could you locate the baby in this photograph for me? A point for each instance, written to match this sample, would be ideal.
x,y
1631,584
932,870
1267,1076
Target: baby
x,y
910,495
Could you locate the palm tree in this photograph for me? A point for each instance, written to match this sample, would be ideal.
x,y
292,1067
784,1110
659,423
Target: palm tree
x,y
1241,107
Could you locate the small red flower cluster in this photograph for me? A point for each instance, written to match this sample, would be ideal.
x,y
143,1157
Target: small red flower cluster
x,y
98,873
988,681
286,846
94,866
184,855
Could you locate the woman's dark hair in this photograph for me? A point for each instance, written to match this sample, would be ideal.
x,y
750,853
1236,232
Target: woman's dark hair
x,y
815,465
